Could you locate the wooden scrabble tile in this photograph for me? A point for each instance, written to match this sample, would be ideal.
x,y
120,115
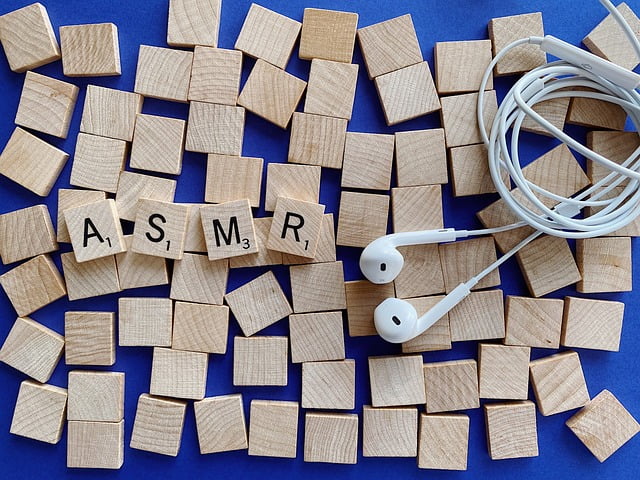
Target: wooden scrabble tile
x,y
158,143
178,374
604,264
470,171
221,424
271,93
416,208
158,425
40,412
163,73
145,322
329,385
459,118
421,157
134,186
26,233
228,229
331,437
318,287
589,323
22,161
90,279
389,46
554,111
194,239
511,430
110,113
460,66
95,445
533,322
422,272
437,336
317,140
200,280
160,229
362,218
331,89
603,425
615,146
68,198
503,371
462,260
558,383
362,298
264,257
328,35
396,381
300,182
32,348
326,251
95,396
90,50
90,338
438,379
316,337
215,128
407,93
505,30
33,284
215,75
30,22
258,304
589,112
46,104
193,22
368,158
444,442
136,270
200,328
389,432
480,316
296,227
268,35
273,429
233,178
260,361
98,162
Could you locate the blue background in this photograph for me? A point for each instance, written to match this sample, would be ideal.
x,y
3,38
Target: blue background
x,y
144,22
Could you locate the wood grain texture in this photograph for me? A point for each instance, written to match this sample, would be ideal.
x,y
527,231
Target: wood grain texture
x,y
90,279
362,298
326,250
444,442
98,162
451,385
332,88
158,425
158,144
368,158
422,272
137,271
95,445
215,128
296,227
459,118
504,30
316,337
221,424
26,233
273,429
134,186
533,322
90,338
215,75
110,113
329,385
460,66
160,229
260,361
90,50
437,336
228,229
194,241
462,260
68,198
470,174
389,432
362,218
233,178
300,182
480,316
40,412
193,22
503,371
421,157
95,396
604,264
318,287
328,35
200,328
199,280
163,73
615,146
589,323
511,430
264,257
331,438
396,381
145,322
554,111
317,140
416,208
178,374
589,112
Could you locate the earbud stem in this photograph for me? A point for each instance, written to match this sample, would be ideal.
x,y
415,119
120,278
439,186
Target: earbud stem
x,y
421,237
443,307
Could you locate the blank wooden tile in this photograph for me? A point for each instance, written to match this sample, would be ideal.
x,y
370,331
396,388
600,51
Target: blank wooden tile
x,y
193,22
459,117
110,113
136,270
215,75
389,432
68,198
134,186
271,93
460,66
604,264
439,379
504,30
90,338
296,227
22,161
463,260
589,112
163,73
416,208
90,50
437,336
40,412
317,140
26,233
200,328
200,280
158,425
444,442
316,337
480,316
32,348
533,322
221,424
326,251
258,303
95,445
158,143
590,323
160,229
331,438
318,287
615,146
554,111
90,279
604,425
264,257
98,162
95,396
362,218
362,298
268,35
30,22
328,35
233,178
511,430
215,128
421,273
407,93
145,322
194,239
179,374
228,229
300,182
421,157
396,381
368,158
470,171
273,428
329,385
260,361
503,371
331,89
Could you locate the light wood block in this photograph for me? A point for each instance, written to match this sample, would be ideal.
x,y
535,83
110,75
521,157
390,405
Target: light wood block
x,y
480,316
158,143
110,113
260,361
158,425
90,338
604,264
503,371
178,374
389,432
160,229
589,112
326,250
362,218
193,22
40,412
134,186
271,93
533,322
145,322
90,279
137,271
331,438
194,240
463,260
30,22
199,280
96,396
511,430
69,199
200,328
264,257
604,425
26,233
296,227
362,298
316,337
273,429
318,287
470,171
505,30
332,88
90,50
228,229
163,73
444,442
98,162
437,336
396,381
299,182
421,157
460,66
589,323
368,158
554,111
215,75
32,348
615,146
233,178
215,129
328,35
329,385
422,272
221,424
317,140
459,117
258,304
95,445
407,93
439,377
268,35
22,161
417,208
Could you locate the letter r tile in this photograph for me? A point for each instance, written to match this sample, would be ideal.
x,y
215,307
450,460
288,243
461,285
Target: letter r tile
x,y
296,227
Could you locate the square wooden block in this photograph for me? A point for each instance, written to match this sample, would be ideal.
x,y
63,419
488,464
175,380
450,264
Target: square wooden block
x,y
480,316
463,260
264,257
389,432
368,158
396,381
145,322
316,337
90,279
317,140
438,379
328,35
594,113
554,111
158,144
95,445
233,178
421,273
505,30
332,88
179,374
503,371
68,198
271,93
421,158
134,186
470,171
444,442
296,227
615,146
533,322
199,280
460,66
215,75
362,298
215,128
260,361
437,336
26,233
300,182
96,396
193,22
417,208
329,385
90,338
228,229
137,271
110,113
318,287
200,328
221,424
98,162
604,264
326,251
362,218
273,429
163,73
158,425
90,50
40,412
589,323
459,117
268,35
320,433
160,229
511,430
